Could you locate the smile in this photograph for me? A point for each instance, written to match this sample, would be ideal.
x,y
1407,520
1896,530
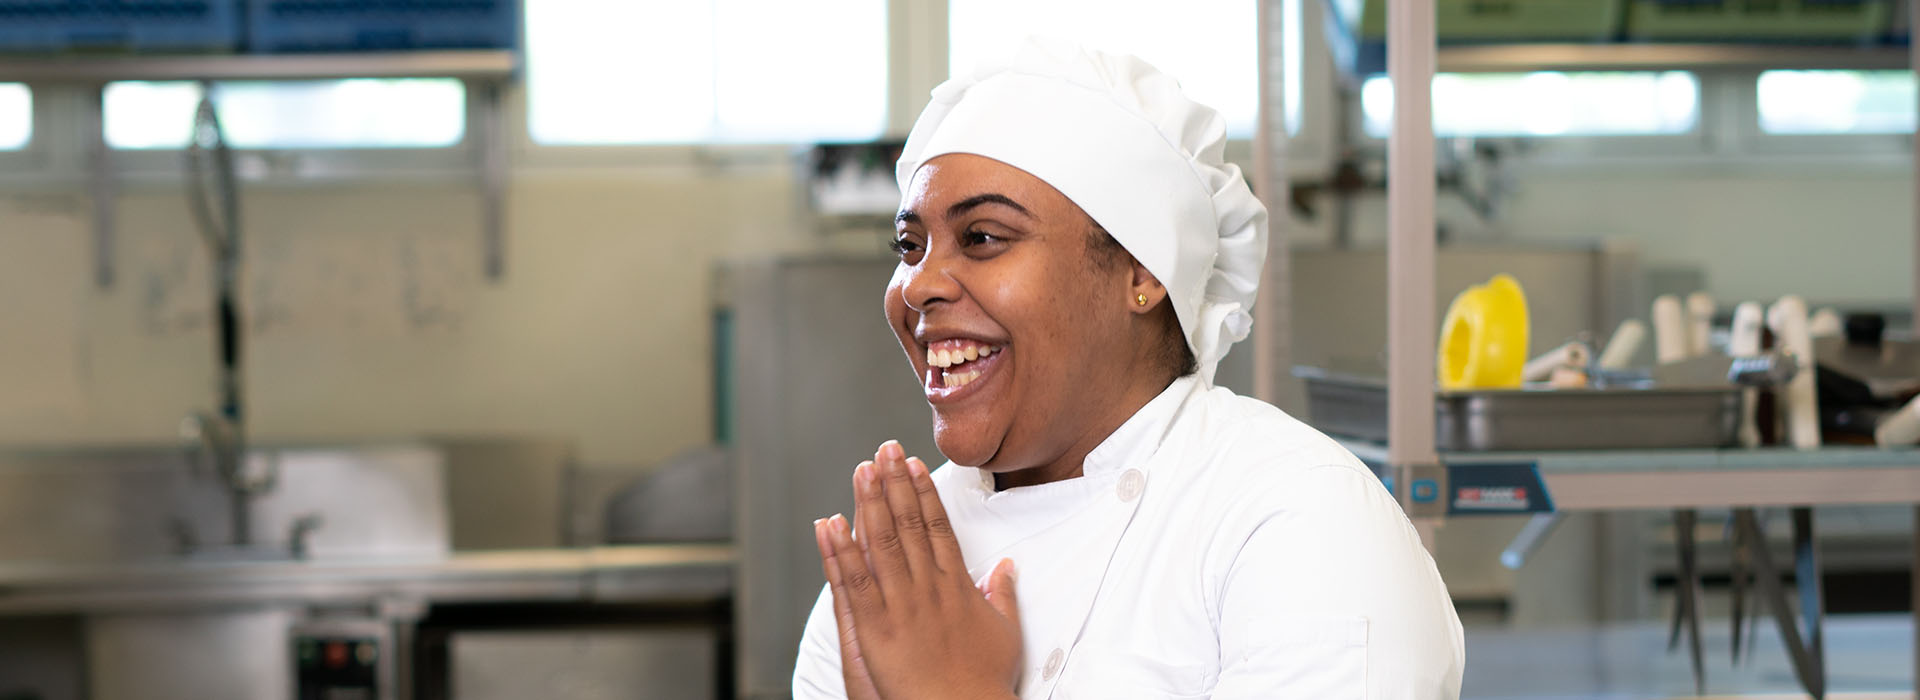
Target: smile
x,y
954,365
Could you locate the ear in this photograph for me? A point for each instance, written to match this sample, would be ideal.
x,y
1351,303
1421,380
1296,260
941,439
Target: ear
x,y
1144,285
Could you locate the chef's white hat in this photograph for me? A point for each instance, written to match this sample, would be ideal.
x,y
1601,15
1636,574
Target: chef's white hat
x,y
1118,138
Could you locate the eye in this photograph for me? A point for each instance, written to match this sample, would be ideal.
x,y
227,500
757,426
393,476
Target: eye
x,y
977,237
904,247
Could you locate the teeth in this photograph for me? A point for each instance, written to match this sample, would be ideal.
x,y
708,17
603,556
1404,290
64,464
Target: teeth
x,y
945,358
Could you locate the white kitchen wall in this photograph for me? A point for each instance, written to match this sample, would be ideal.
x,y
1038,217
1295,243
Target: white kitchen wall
x,y
368,316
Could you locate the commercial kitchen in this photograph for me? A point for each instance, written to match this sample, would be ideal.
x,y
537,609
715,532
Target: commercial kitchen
x,y
518,348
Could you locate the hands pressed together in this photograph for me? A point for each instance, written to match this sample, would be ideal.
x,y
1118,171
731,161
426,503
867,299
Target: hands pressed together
x,y
912,623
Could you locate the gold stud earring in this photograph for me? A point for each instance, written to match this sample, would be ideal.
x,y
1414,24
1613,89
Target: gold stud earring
x,y
1140,299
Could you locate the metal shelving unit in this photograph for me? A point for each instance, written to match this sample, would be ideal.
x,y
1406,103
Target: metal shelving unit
x,y
1488,58
1685,481
486,74
467,65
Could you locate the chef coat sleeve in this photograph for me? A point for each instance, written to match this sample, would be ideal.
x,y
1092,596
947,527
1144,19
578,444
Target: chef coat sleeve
x,y
816,675
1333,597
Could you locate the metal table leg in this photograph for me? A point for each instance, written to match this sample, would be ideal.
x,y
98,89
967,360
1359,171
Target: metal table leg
x,y
1808,662
1686,594
1813,607
1737,566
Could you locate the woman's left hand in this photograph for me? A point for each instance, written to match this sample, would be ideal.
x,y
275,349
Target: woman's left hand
x,y
924,629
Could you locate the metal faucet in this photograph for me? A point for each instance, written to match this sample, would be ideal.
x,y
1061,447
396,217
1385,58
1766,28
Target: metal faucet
x,y
221,437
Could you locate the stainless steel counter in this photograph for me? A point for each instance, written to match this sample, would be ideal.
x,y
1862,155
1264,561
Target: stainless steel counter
x,y
599,574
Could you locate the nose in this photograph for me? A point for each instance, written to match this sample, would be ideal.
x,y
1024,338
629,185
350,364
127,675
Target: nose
x,y
929,283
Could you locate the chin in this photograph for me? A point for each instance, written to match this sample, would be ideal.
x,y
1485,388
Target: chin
x,y
966,446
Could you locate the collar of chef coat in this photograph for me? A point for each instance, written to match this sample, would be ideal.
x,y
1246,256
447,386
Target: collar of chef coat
x,y
997,518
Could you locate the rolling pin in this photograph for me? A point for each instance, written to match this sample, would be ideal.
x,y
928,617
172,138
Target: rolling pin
x,y
1826,323
1744,341
1624,344
1574,354
1900,427
1670,341
1801,401
1699,323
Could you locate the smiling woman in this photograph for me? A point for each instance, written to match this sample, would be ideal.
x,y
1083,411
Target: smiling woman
x,y
1075,259
1000,254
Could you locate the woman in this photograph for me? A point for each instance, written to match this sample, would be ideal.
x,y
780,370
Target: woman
x,y
1075,259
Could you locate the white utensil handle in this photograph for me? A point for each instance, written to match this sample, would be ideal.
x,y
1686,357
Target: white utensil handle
x,y
1901,427
1540,369
1670,341
1826,323
1624,344
1699,323
1744,341
1788,319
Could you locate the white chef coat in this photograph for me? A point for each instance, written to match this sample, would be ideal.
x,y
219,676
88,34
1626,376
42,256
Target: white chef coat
x,y
1214,548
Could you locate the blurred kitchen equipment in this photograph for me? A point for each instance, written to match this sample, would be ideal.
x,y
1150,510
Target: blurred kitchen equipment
x,y
1825,323
1889,368
1574,354
1571,289
1901,427
1700,308
1670,336
1713,370
1483,339
1788,321
1649,417
688,499
350,658
220,438
1743,340
1623,345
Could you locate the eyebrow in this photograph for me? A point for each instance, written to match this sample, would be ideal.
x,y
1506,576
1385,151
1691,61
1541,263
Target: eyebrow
x,y
965,205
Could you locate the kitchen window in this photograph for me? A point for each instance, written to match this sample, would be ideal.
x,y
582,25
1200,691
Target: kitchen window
x,y
1209,45
740,71
1545,104
1836,101
319,114
16,116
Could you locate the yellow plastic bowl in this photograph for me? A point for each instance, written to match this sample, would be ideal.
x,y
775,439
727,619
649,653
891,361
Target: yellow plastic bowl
x,y
1483,340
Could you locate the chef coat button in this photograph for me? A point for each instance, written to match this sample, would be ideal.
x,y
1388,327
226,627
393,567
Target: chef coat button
x,y
1131,484
1053,665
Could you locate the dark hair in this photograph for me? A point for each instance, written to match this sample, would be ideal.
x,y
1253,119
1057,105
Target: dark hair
x,y
1106,253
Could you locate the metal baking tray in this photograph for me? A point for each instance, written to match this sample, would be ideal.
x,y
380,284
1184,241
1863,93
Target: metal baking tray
x,y
1635,417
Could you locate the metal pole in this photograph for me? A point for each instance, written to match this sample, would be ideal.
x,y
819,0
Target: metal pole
x,y
1410,245
101,185
1272,332
1913,58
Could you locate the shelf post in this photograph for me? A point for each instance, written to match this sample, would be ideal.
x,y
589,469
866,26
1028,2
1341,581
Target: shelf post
x,y
1411,49
491,151
1272,345
1913,59
101,186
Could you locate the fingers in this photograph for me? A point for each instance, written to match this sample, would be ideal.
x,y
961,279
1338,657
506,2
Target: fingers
x,y
842,607
903,500
946,547
878,535
1000,592
849,576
